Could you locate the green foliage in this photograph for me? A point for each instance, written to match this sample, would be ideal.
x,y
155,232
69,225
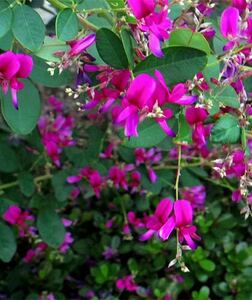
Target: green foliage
x,y
5,17
188,38
24,119
41,75
8,244
50,227
226,130
182,62
110,48
28,27
67,25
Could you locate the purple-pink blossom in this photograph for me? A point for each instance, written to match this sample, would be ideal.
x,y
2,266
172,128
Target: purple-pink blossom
x,y
15,216
13,67
170,216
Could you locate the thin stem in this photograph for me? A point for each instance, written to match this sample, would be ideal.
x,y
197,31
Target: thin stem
x,y
178,254
178,172
88,25
36,180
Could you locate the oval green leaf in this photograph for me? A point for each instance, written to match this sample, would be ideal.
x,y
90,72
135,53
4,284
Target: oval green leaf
x,y
5,17
8,245
42,76
67,25
23,120
188,38
150,134
28,27
178,64
226,130
50,47
110,48
50,227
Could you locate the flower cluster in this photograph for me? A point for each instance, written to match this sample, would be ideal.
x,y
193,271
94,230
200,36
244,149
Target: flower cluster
x,y
56,131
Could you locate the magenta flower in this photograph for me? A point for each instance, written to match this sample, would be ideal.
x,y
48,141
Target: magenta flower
x,y
92,176
156,222
184,215
126,283
15,216
239,4
56,132
137,101
196,195
118,177
236,166
195,116
12,67
66,243
176,96
163,222
229,26
79,46
142,8
158,26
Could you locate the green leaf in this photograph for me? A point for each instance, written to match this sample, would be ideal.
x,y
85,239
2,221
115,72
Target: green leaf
x,y
212,69
226,130
225,97
115,4
28,27
150,134
178,64
61,188
110,48
184,135
90,4
42,76
24,119
8,244
207,265
188,38
6,41
50,46
50,227
8,159
5,17
127,41
67,25
26,183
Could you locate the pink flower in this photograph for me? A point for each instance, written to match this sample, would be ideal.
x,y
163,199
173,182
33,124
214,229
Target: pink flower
x,y
126,283
79,46
195,116
196,195
229,26
137,101
176,96
159,219
236,166
15,216
142,8
92,176
239,4
118,177
12,67
183,217
142,100
158,26
163,222
66,243
56,132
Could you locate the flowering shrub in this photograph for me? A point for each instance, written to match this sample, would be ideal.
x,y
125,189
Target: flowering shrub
x,y
125,149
